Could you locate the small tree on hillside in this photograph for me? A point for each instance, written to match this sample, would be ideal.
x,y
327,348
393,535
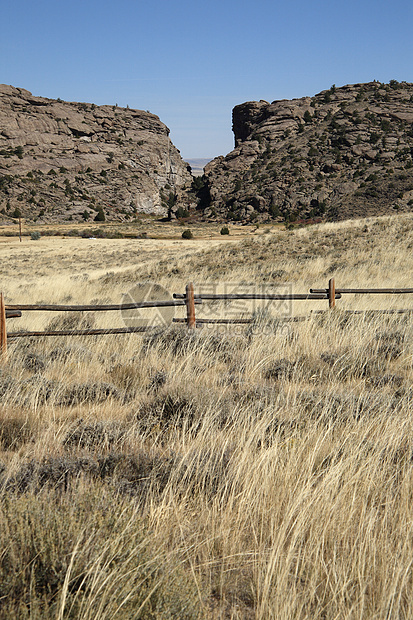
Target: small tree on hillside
x,y
307,117
100,216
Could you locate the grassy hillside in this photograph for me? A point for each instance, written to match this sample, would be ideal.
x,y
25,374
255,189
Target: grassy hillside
x,y
263,471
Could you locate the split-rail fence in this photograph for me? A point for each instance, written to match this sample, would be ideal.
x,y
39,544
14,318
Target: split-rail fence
x,y
189,299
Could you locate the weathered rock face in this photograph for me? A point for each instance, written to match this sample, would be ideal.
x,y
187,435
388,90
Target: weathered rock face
x,y
59,160
347,152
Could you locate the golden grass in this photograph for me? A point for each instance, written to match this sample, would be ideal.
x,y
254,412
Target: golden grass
x,y
216,474
151,226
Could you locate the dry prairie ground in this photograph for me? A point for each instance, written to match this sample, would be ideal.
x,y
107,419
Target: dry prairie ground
x,y
149,226
258,472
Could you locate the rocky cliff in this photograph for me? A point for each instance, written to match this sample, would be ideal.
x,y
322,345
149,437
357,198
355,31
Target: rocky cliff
x,y
68,161
346,152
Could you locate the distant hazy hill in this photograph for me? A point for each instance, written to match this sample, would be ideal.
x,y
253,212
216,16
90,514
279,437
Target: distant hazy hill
x,y
198,165
65,161
346,152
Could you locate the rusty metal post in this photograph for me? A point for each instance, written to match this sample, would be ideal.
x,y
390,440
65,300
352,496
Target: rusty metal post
x,y
331,294
190,306
3,330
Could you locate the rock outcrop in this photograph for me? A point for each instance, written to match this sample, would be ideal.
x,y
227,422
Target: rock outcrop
x,y
68,161
346,152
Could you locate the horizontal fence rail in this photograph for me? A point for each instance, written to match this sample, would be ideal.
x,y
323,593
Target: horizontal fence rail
x,y
269,297
189,300
13,314
368,291
371,311
80,332
217,321
98,308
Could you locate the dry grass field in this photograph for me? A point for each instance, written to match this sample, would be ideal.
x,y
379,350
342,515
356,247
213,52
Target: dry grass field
x,y
258,471
146,226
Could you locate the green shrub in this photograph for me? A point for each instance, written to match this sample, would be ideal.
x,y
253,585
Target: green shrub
x,y
307,117
225,230
198,183
187,234
181,213
100,216
35,236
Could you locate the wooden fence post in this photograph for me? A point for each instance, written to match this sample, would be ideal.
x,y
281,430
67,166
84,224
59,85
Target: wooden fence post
x,y
190,306
331,294
3,329
20,229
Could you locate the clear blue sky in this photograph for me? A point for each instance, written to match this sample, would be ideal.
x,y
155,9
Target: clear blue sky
x,y
191,62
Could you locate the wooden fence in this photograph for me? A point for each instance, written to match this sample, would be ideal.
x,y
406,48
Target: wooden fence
x,y
188,299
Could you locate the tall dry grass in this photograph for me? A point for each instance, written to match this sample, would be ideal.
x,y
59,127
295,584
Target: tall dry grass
x,y
263,471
